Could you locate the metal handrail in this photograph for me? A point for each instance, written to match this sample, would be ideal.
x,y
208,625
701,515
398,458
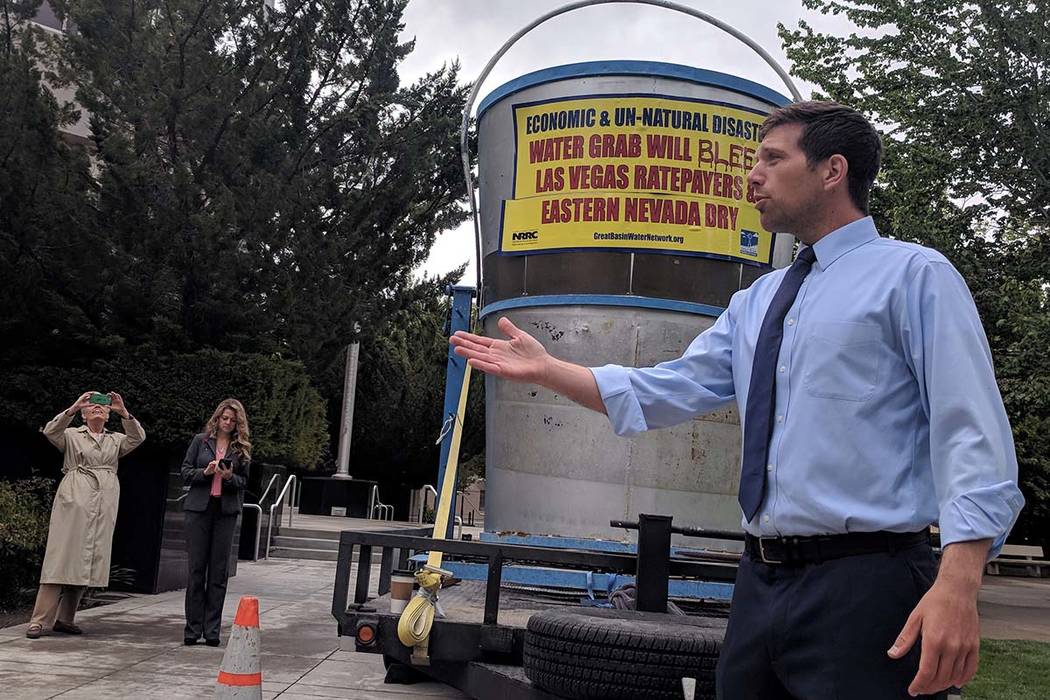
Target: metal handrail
x,y
290,503
269,526
258,509
465,500
273,478
462,501
386,512
423,499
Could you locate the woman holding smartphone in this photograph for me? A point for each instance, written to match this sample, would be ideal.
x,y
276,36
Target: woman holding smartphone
x,y
216,470
84,512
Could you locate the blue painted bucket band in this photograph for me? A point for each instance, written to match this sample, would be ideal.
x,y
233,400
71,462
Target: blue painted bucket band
x,y
648,69
640,302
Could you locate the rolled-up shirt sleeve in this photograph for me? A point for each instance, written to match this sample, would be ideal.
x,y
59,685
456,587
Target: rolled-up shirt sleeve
x,y
971,445
700,381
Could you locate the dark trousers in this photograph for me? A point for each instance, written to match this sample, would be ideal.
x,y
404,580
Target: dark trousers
x,y
821,631
209,538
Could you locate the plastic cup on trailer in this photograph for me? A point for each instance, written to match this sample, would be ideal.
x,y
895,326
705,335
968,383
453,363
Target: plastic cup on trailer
x,y
400,590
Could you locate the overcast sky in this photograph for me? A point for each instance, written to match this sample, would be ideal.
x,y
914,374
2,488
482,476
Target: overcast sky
x,y
473,30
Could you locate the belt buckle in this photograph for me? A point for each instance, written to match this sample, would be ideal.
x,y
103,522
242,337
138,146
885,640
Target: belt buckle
x,y
762,552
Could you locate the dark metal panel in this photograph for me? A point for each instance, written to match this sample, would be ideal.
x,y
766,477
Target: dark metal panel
x,y
364,571
654,544
386,565
492,589
504,277
578,273
506,682
685,278
450,642
752,273
342,581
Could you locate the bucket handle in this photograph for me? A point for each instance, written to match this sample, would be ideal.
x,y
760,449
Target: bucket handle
x,y
464,125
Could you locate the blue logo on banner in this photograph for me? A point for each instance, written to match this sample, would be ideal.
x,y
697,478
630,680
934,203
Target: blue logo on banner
x,y
749,243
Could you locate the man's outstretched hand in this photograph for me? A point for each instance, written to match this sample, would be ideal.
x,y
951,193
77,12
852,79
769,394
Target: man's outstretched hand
x,y
520,358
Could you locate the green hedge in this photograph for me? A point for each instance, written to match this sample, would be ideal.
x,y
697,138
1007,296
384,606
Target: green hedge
x,y
25,510
174,395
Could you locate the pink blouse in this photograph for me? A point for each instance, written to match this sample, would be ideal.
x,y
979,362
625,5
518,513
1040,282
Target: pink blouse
x,y
216,479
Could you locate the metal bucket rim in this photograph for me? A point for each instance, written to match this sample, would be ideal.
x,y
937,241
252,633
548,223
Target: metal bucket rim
x,y
649,69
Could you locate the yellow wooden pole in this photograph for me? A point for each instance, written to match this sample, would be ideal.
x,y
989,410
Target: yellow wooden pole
x,y
448,486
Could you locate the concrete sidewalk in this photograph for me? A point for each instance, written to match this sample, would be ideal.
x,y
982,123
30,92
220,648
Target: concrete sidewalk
x,y
1015,608
133,649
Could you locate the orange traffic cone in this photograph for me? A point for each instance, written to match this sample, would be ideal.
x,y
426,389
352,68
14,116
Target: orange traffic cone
x,y
240,675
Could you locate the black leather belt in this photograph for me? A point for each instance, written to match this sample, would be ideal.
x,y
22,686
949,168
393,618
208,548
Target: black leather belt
x,y
798,551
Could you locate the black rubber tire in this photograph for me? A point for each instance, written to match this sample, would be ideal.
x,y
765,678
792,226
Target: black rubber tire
x,y
586,653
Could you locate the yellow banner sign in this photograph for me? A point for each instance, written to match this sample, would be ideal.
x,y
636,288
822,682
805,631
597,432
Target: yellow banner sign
x,y
642,173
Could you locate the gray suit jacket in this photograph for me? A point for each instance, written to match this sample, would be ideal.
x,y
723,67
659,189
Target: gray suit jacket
x,y
200,452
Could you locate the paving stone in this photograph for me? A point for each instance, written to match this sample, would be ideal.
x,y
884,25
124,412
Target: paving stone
x,y
37,683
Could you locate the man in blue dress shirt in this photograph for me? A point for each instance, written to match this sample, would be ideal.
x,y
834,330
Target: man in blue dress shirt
x,y
869,410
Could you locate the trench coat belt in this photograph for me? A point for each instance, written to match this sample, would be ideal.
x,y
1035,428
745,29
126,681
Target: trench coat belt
x,y
90,473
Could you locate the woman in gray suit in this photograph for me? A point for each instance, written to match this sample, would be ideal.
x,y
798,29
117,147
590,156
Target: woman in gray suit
x,y
216,470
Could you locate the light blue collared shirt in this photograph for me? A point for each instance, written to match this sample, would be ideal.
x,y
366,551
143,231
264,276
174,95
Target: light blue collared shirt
x,y
888,416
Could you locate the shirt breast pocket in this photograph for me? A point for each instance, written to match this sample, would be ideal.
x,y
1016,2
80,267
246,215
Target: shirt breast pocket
x,y
843,361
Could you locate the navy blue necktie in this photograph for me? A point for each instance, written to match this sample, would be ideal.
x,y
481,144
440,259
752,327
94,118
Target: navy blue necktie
x,y
761,399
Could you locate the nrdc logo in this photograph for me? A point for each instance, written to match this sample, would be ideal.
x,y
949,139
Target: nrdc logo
x,y
749,243
525,236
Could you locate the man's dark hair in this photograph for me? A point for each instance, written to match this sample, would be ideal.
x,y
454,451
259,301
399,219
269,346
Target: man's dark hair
x,y
829,128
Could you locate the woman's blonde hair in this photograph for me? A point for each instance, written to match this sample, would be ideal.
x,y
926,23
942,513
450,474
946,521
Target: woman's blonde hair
x,y
240,438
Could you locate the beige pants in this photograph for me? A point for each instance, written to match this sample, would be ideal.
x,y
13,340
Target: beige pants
x,y
56,601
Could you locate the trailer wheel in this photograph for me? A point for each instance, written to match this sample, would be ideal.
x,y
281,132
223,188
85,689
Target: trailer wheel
x,y
602,653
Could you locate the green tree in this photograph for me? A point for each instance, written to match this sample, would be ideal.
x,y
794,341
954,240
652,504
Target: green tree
x,y
174,394
962,91
399,405
268,179
260,182
46,208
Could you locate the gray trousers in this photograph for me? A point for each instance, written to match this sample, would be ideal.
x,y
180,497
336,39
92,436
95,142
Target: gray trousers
x,y
209,537
56,601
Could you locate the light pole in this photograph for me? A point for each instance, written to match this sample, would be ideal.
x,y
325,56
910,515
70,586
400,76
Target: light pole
x,y
346,421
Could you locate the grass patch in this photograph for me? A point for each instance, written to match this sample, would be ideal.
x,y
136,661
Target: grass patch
x,y
1011,670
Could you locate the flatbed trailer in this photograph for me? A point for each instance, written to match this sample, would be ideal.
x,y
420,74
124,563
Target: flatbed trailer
x,y
478,645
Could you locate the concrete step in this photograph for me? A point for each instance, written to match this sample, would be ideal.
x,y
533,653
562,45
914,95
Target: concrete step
x,y
316,544
284,551
287,542
314,554
311,533
305,532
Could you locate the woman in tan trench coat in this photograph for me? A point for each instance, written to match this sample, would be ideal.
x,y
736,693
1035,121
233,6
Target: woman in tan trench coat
x,y
84,512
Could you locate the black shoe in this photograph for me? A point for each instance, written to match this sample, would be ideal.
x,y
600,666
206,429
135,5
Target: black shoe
x,y
189,642
212,642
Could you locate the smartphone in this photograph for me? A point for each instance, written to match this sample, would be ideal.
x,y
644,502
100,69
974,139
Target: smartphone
x,y
226,463
101,399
